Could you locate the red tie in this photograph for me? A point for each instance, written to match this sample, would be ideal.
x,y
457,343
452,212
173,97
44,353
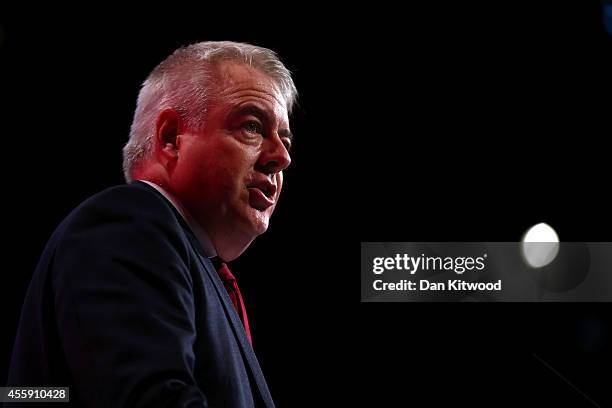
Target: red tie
x,y
234,293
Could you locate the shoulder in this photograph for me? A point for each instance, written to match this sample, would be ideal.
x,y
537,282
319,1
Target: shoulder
x,y
130,224
136,197
119,212
135,201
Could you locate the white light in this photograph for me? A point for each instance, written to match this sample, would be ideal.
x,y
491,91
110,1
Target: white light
x,y
540,245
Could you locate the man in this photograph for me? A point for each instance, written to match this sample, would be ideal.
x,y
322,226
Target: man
x,y
132,304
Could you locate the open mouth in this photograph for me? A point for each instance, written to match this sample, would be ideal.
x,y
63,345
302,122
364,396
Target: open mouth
x,y
261,194
267,191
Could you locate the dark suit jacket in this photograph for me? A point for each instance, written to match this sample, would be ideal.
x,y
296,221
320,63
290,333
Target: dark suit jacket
x,y
125,309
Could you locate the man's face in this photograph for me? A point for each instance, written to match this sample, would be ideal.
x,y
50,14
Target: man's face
x,y
229,175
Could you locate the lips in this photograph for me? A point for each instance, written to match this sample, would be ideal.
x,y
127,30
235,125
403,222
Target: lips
x,y
262,193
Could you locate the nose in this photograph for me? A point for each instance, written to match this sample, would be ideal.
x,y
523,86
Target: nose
x,y
274,157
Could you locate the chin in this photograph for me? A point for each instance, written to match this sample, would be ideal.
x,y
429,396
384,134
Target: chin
x,y
257,221
260,227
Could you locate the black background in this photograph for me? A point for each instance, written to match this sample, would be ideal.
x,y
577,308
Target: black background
x,y
458,121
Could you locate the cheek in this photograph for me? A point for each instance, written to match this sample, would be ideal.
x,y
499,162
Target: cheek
x,y
199,172
230,175
224,173
198,175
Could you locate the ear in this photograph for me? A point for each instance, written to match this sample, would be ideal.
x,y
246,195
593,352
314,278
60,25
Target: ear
x,y
168,127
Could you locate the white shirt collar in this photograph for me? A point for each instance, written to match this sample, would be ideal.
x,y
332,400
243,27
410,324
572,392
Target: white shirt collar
x,y
198,231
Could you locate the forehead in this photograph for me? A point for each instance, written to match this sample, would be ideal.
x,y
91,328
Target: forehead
x,y
239,83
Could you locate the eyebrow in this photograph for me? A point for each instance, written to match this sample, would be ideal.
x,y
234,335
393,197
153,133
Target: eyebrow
x,y
261,113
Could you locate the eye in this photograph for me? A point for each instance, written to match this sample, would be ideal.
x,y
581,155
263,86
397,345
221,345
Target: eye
x,y
252,126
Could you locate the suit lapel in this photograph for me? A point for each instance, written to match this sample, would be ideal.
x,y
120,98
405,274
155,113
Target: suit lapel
x,y
230,312
238,328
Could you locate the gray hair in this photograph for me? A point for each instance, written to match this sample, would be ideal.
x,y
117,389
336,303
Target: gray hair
x,y
185,81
